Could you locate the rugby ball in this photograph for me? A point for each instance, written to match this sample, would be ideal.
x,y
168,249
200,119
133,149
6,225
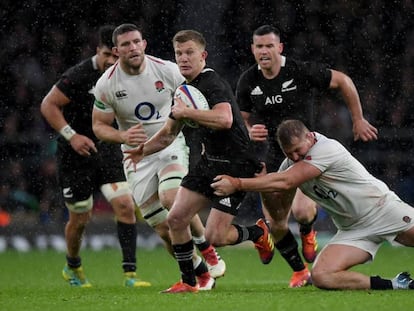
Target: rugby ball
x,y
193,98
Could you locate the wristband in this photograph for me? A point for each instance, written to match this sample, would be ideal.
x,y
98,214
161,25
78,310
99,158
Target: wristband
x,y
67,132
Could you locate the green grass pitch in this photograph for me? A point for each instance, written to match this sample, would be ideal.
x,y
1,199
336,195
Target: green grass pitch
x,y
32,281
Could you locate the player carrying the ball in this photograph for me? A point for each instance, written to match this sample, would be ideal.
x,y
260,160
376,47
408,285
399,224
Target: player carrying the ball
x,y
225,148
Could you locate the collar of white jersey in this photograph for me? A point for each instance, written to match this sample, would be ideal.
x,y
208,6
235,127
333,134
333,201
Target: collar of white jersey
x,y
282,63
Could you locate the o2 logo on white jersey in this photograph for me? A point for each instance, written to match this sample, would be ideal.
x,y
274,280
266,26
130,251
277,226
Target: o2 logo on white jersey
x,y
323,194
272,100
146,111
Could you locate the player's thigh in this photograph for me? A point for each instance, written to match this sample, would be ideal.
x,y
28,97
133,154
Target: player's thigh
x,y
170,178
339,257
406,238
187,203
143,182
76,180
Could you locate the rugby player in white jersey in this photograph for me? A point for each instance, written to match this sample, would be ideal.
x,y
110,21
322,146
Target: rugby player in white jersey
x,y
365,211
86,165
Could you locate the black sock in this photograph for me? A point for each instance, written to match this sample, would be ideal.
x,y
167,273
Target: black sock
x,y
307,228
251,233
379,283
201,268
127,235
288,248
201,246
73,262
184,254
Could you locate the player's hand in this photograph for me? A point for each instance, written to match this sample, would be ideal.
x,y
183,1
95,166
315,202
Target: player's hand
x,y
364,131
83,145
263,171
258,132
224,185
179,109
134,156
135,135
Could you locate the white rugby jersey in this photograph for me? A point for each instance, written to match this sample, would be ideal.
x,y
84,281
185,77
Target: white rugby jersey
x,y
346,190
145,98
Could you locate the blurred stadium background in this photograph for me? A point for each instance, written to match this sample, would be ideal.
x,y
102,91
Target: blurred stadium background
x,y
371,41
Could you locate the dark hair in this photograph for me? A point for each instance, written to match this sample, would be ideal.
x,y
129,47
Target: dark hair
x,y
105,36
121,29
187,35
266,29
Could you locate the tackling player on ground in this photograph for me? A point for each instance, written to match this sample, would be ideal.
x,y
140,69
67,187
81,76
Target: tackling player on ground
x,y
364,210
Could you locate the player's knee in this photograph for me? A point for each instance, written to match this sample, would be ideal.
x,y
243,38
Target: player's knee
x,y
323,277
320,279
124,208
78,221
176,222
167,201
304,214
119,195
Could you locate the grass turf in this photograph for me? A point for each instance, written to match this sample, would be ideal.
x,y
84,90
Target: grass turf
x,y
33,281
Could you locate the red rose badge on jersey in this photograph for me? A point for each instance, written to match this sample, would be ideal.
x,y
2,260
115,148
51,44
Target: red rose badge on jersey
x,y
159,85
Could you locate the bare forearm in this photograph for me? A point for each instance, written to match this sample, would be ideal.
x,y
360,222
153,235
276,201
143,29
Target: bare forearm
x,y
108,133
53,116
351,97
157,143
266,183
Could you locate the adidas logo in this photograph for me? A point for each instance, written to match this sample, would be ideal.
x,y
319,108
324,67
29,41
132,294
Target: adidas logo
x,y
286,86
225,202
256,91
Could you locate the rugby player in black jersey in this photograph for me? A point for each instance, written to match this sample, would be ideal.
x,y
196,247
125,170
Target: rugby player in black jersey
x,y
86,165
225,148
278,88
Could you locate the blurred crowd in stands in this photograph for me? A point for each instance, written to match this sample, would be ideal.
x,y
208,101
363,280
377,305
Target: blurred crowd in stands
x,y
371,41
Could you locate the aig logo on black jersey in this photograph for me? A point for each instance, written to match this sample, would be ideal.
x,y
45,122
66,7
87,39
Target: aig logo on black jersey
x,y
272,100
121,94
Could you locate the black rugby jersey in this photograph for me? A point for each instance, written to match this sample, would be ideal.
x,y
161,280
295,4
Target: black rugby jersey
x,y
288,95
227,143
77,84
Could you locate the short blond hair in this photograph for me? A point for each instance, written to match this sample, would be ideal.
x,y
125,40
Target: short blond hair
x,y
187,35
288,130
